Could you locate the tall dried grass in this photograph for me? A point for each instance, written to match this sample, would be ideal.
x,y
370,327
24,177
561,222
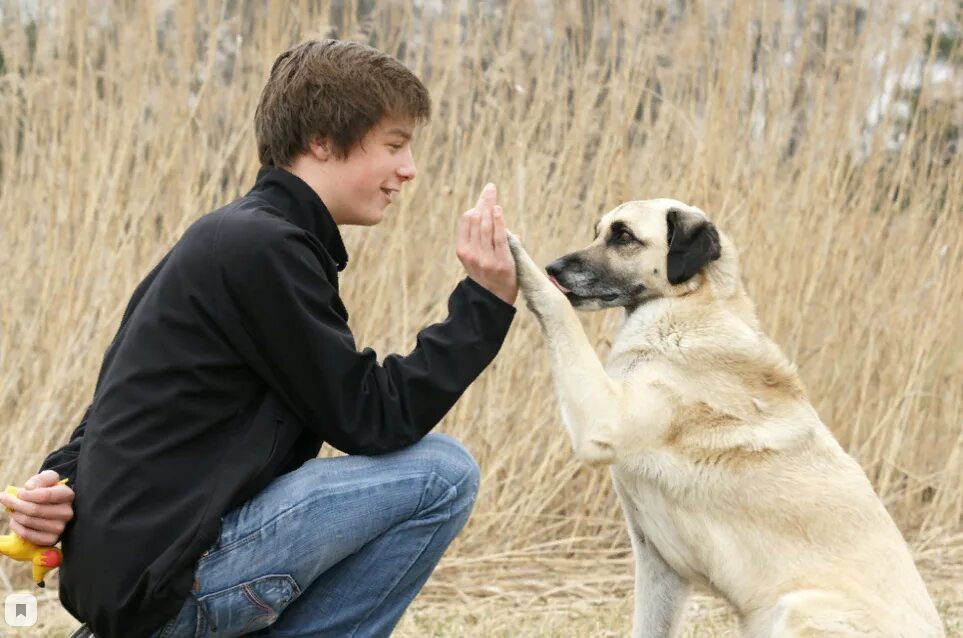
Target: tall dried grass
x,y
119,126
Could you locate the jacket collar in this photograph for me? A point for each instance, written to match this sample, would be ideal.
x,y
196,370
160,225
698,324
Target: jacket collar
x,y
300,205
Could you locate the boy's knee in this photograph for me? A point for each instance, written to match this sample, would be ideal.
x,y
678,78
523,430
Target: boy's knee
x,y
452,462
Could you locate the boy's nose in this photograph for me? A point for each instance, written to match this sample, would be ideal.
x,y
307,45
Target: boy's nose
x,y
407,170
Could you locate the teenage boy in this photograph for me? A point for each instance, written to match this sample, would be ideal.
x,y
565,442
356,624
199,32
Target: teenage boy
x,y
200,507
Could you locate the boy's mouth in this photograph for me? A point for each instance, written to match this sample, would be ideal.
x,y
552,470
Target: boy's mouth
x,y
389,193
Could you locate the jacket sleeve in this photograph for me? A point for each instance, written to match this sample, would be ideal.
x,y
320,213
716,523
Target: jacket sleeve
x,y
288,328
64,460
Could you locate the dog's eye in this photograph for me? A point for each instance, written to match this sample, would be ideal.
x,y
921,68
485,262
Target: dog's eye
x,y
621,235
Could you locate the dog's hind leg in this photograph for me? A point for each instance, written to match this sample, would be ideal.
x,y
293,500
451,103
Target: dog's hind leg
x,y
812,613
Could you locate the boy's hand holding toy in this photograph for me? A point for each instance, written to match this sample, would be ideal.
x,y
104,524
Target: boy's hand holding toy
x,y
40,511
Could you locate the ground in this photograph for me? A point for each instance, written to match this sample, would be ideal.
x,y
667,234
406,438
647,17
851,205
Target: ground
x,y
497,617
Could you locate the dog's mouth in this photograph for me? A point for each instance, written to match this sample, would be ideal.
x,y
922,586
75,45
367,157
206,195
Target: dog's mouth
x,y
607,298
558,285
588,289
604,298
577,299
573,296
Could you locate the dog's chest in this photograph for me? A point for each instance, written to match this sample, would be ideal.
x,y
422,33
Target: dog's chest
x,y
623,363
666,525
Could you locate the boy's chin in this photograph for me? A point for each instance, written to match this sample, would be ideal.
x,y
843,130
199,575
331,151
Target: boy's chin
x,y
375,217
371,217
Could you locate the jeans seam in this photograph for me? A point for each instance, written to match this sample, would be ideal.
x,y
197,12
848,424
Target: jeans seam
x,y
257,602
424,493
258,532
411,563
306,502
416,557
235,544
202,615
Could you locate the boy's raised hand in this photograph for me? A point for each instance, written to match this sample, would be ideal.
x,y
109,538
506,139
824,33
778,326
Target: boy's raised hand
x,y
482,247
41,509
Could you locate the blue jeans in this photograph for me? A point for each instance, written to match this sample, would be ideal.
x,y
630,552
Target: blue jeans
x,y
338,547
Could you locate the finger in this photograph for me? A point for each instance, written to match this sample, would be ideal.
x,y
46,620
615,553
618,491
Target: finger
x,y
24,507
462,238
55,494
487,197
58,511
41,539
62,513
50,526
485,231
43,479
474,232
490,193
9,502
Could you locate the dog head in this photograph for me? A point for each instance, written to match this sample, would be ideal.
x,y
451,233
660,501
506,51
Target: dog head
x,y
642,250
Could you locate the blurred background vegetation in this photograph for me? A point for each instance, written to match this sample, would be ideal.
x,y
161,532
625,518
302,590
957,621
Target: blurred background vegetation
x,y
822,135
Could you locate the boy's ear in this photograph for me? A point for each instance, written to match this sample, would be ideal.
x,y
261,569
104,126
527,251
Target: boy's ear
x,y
320,148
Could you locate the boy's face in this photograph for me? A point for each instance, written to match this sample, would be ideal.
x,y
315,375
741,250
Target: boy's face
x,y
362,184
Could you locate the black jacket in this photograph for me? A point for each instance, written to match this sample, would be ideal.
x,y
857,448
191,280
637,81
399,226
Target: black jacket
x,y
232,365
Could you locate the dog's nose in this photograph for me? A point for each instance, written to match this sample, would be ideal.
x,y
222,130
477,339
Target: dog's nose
x,y
555,268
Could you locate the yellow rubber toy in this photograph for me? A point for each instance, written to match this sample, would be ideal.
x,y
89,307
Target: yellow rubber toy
x,y
43,558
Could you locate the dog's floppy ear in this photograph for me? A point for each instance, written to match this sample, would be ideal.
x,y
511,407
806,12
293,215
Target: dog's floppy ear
x,y
693,243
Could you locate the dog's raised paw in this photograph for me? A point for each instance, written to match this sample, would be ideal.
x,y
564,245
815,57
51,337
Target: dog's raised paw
x,y
514,244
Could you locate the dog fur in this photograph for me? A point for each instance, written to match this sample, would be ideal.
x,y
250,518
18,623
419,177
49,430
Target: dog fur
x,y
727,477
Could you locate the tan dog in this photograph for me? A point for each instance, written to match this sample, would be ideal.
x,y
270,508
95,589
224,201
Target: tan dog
x,y
726,475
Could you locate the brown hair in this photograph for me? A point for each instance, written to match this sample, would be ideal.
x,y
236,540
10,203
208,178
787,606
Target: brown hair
x,y
333,89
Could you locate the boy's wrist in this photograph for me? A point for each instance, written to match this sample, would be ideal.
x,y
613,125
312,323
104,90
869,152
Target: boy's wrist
x,y
503,293
508,296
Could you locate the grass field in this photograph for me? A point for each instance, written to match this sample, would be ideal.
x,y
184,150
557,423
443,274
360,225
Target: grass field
x,y
823,136
474,617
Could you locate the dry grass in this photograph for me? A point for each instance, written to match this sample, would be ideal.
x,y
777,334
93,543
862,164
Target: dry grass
x,y
707,617
120,126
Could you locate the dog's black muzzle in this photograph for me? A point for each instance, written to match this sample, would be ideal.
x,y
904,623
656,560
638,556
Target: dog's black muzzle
x,y
584,284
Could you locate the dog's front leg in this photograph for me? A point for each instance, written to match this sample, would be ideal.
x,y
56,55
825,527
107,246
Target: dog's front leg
x,y
660,593
591,403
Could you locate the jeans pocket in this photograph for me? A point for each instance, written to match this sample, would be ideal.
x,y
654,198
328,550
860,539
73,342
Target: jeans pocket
x,y
247,607
219,548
